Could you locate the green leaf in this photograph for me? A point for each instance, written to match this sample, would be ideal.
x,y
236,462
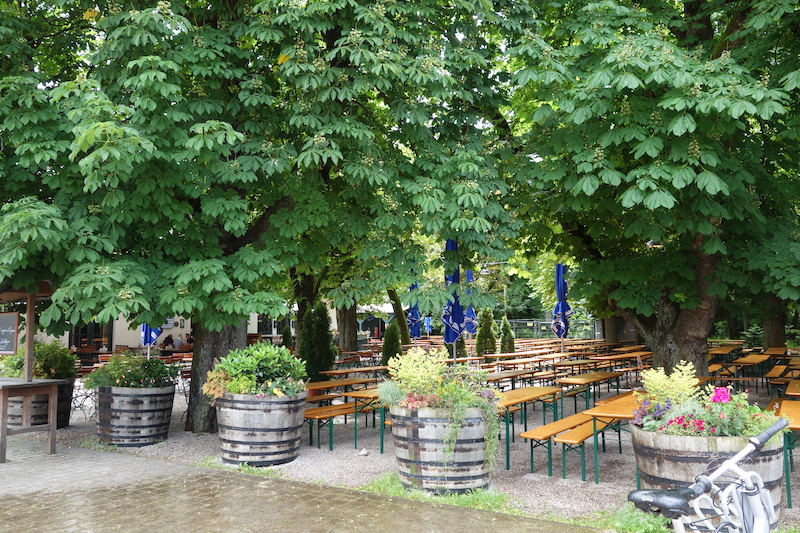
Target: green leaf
x,y
659,198
711,183
681,124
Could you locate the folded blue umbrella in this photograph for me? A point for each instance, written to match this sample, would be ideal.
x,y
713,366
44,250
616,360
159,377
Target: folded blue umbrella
x,y
453,314
470,318
413,318
562,310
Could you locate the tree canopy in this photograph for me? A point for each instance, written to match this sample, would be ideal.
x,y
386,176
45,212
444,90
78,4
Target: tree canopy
x,y
189,157
198,158
664,122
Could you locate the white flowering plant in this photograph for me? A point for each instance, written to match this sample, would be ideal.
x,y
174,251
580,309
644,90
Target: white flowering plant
x,y
261,369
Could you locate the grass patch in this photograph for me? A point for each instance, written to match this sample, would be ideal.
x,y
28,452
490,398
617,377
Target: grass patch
x,y
487,500
93,443
262,471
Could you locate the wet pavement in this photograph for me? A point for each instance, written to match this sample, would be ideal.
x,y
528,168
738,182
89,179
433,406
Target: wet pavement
x,y
84,490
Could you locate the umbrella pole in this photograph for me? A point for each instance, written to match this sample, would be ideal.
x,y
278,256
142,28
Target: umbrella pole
x,y
30,330
455,351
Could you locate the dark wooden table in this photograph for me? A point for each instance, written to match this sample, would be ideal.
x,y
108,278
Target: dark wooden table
x,y
18,387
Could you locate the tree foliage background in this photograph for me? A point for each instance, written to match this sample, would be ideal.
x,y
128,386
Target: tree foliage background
x,y
197,158
671,122
217,158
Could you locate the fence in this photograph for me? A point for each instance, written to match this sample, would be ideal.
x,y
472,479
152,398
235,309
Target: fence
x,y
542,329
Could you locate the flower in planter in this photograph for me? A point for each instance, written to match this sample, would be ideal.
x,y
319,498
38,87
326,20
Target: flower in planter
x,y
133,370
260,369
422,379
674,405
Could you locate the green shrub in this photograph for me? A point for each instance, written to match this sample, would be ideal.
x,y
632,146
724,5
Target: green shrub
x,y
316,343
391,343
506,336
754,336
12,366
260,368
132,370
486,338
52,360
286,333
461,347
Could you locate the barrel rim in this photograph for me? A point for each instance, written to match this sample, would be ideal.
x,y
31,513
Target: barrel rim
x,y
140,391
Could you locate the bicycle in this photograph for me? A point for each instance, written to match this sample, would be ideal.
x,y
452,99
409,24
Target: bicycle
x,y
741,506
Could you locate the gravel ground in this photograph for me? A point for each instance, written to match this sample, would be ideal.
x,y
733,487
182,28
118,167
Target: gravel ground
x,y
534,493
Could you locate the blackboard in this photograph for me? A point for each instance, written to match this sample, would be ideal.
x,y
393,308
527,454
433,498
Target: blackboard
x,y
9,328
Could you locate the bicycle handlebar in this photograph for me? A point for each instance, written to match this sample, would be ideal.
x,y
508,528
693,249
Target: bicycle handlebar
x,y
760,440
673,503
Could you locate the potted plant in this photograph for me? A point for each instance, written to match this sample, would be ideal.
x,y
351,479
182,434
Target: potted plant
x,y
444,422
134,399
260,398
52,360
679,428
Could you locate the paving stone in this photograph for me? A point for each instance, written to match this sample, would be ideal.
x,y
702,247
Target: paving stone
x,y
82,490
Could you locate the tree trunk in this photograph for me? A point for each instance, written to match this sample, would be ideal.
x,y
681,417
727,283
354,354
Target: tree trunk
x,y
675,334
774,323
208,347
304,287
400,316
610,331
347,322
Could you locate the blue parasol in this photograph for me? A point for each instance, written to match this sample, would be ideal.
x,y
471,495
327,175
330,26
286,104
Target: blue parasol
x,y
453,313
562,310
428,325
413,319
470,318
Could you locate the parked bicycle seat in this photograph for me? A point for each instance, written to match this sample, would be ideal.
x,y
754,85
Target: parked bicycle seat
x,y
671,503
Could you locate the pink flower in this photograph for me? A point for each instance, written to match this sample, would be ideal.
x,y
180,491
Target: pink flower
x,y
721,395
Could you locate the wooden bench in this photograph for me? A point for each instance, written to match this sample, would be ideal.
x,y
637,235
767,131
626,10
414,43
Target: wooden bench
x,y
776,373
612,398
543,435
322,398
575,439
325,414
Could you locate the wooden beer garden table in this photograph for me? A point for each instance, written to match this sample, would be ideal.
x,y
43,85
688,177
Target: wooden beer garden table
x,y
362,400
793,389
622,357
523,396
791,441
496,377
588,380
619,409
18,387
632,348
336,383
375,371
577,364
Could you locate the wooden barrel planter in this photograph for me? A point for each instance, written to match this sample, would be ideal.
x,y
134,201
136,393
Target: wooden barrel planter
x,y
260,430
39,407
671,461
421,450
129,417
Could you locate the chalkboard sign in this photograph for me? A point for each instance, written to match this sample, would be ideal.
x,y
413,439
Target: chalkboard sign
x,y
9,328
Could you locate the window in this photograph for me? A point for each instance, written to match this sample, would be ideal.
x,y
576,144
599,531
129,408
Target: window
x,y
92,335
